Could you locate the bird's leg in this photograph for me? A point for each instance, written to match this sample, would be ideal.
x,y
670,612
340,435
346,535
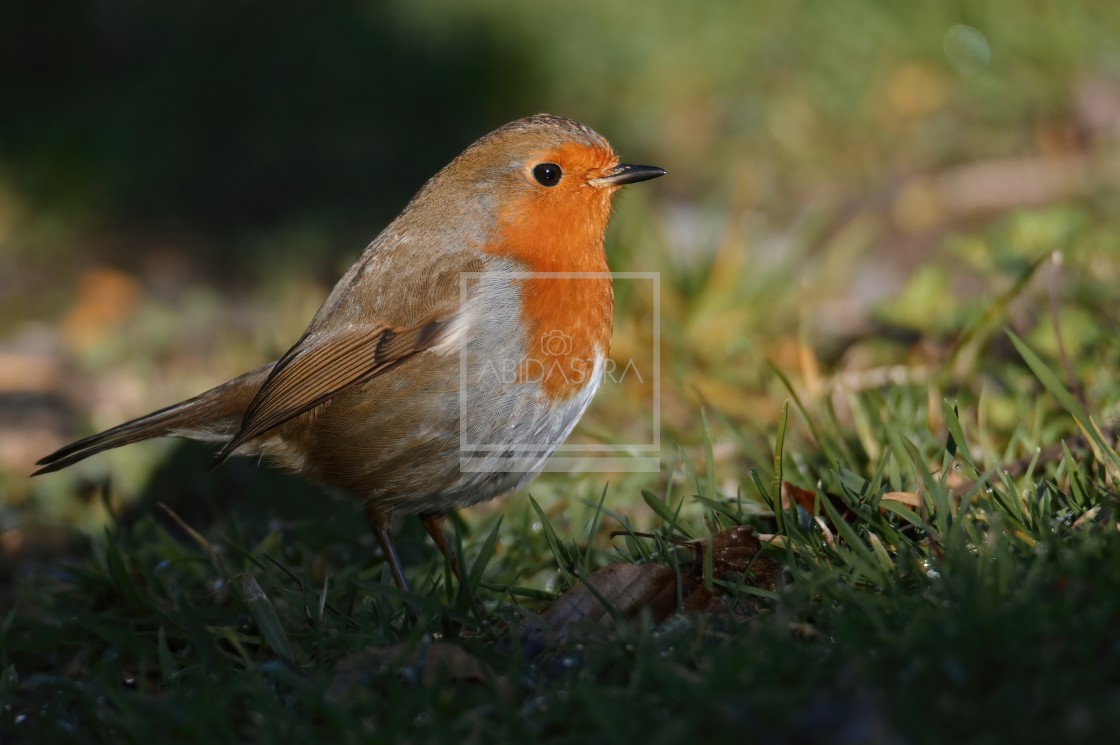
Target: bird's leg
x,y
433,523
379,521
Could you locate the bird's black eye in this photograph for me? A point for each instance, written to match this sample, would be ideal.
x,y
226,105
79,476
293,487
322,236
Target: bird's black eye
x,y
547,174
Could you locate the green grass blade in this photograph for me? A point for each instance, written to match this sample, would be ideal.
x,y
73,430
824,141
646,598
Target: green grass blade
x,y
167,666
119,574
984,324
265,616
594,528
1051,382
485,554
863,557
776,482
709,461
956,431
779,448
662,511
558,549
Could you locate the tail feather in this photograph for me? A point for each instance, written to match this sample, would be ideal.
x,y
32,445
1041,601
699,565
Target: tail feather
x,y
213,415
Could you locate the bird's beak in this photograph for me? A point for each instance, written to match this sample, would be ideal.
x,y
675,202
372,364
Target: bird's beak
x,y
624,173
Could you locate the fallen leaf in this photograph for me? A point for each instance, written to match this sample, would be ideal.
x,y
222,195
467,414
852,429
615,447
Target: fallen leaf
x,y
426,663
792,494
625,588
735,551
623,591
905,497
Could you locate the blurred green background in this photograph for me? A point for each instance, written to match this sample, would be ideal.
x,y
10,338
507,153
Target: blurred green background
x,y
853,187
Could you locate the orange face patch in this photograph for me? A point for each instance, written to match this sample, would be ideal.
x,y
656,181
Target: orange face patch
x,y
558,232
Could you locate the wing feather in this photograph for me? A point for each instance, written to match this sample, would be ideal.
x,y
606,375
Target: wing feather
x,y
319,368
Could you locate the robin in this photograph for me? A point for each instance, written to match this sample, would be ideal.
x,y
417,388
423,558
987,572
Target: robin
x,y
455,354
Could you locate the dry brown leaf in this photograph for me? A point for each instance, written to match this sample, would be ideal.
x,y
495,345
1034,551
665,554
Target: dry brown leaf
x,y
625,590
807,500
826,532
424,664
1087,517
626,587
792,494
735,551
907,498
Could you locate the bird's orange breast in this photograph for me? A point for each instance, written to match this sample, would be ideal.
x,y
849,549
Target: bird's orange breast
x,y
566,297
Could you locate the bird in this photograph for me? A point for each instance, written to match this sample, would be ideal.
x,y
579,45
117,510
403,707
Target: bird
x,y
456,353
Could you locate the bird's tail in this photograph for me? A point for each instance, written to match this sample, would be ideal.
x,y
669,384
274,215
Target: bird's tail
x,y
214,415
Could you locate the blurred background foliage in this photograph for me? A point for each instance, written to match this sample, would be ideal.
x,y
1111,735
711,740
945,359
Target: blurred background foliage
x,y
860,193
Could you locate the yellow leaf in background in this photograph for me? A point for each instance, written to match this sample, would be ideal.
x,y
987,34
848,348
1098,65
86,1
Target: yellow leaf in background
x,y
793,123
914,91
718,333
918,206
731,399
905,497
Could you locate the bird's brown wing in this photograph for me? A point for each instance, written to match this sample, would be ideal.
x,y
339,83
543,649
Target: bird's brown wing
x,y
320,366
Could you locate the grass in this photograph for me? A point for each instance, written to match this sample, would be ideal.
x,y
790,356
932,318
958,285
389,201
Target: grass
x,y
949,556
985,611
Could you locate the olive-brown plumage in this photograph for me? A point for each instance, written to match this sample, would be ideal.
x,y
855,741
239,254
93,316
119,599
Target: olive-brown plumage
x,y
426,381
